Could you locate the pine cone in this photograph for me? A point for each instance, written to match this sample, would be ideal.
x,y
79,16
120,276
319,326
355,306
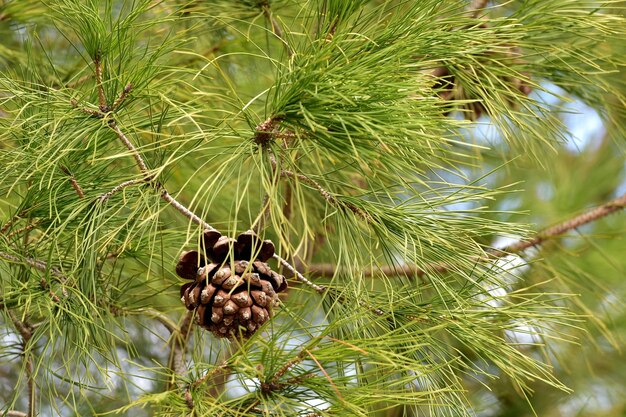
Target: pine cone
x,y
233,290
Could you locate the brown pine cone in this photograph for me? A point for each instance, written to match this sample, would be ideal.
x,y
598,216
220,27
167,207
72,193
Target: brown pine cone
x,y
234,294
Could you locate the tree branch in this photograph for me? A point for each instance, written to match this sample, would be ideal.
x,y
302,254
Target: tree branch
x,y
42,266
26,332
11,222
13,413
105,196
98,71
138,159
564,227
178,347
277,29
319,288
329,270
476,6
73,181
22,230
161,318
332,200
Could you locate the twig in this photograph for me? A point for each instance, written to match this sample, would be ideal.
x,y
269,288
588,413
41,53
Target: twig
x,y
561,228
178,347
35,263
327,196
147,177
223,367
277,29
476,6
122,97
11,222
73,181
14,413
319,288
218,371
104,108
329,270
42,266
138,159
105,196
22,230
184,210
26,332
273,383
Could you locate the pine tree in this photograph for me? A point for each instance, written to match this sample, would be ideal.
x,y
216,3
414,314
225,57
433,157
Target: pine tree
x,y
310,208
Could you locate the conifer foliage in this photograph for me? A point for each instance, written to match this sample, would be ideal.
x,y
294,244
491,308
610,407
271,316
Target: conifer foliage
x,y
298,208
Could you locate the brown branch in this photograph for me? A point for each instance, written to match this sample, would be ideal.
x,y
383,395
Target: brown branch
x,y
322,288
22,230
178,347
331,199
329,270
73,181
476,6
564,227
184,210
11,222
319,288
105,196
277,29
42,266
26,332
104,108
223,367
14,413
138,159
273,383
217,374
123,95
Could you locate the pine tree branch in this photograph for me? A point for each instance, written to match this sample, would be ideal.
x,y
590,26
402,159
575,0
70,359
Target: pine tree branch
x,y
104,108
184,210
22,230
319,288
14,413
26,332
564,227
161,318
105,196
277,29
476,6
122,97
73,181
42,266
412,271
178,347
331,199
143,168
11,222
129,145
